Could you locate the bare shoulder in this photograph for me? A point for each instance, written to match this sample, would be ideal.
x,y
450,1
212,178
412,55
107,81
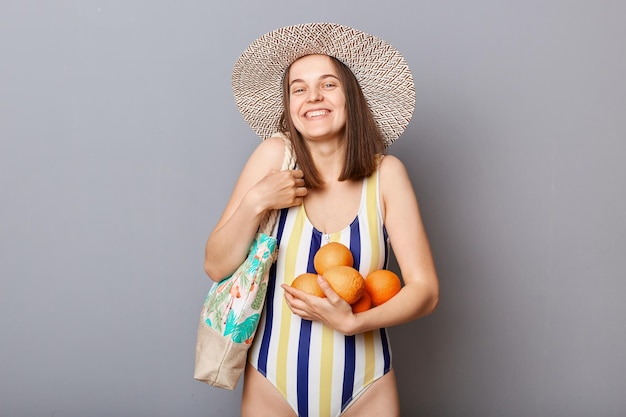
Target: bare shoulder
x,y
266,157
269,153
396,189
392,170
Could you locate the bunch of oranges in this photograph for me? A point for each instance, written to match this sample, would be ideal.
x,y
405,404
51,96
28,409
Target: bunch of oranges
x,y
333,261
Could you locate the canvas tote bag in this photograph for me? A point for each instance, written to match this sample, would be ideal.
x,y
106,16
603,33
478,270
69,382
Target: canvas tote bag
x,y
232,308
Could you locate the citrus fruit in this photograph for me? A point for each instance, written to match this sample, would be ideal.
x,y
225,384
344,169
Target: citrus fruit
x,y
332,254
307,282
381,285
346,281
364,303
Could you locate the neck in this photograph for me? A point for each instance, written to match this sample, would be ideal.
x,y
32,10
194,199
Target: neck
x,y
329,158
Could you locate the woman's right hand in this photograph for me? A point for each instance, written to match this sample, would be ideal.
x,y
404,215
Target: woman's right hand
x,y
279,189
261,186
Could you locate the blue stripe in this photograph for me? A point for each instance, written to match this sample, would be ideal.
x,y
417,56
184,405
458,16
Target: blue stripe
x,y
281,224
355,243
383,332
348,371
386,351
350,341
304,347
269,307
386,239
304,342
267,331
316,242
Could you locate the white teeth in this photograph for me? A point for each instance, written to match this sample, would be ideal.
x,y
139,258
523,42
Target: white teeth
x,y
316,113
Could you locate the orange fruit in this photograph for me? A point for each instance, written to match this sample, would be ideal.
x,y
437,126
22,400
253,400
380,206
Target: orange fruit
x,y
381,285
346,281
364,303
332,254
307,282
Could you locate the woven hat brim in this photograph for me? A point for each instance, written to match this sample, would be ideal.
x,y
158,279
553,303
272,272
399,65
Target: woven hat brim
x,y
380,69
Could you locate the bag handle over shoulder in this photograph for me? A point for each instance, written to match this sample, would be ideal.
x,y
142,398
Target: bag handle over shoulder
x,y
289,162
228,322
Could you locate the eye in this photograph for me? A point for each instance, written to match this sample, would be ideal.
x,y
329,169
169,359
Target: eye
x,y
329,85
297,90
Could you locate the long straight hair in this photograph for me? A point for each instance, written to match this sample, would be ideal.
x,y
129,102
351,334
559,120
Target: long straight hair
x,y
364,139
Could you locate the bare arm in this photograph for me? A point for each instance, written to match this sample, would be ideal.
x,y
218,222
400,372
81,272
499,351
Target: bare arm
x,y
420,294
260,187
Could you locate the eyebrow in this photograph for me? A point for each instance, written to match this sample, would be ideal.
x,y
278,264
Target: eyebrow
x,y
320,78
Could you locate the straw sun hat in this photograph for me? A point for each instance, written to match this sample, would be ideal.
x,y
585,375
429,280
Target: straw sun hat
x,y
380,69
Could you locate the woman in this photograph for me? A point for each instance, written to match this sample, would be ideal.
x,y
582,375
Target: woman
x,y
312,356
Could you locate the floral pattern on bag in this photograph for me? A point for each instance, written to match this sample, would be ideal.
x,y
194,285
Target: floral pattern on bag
x,y
233,305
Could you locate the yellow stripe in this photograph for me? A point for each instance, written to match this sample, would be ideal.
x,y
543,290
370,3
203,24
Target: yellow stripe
x,y
326,373
372,216
370,358
372,220
285,322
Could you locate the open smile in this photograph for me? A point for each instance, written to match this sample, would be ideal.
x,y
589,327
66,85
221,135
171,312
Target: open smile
x,y
316,113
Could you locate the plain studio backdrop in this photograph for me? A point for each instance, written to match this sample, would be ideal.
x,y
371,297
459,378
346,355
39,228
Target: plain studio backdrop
x,y
120,143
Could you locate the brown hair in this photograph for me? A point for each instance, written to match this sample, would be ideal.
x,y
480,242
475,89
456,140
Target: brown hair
x,y
364,140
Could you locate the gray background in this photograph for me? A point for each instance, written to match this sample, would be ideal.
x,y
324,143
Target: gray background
x,y
120,143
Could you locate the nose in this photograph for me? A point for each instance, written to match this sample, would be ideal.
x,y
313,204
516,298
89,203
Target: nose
x,y
315,94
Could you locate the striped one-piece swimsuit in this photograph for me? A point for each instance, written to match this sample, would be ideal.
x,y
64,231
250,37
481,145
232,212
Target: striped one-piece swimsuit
x,y
318,370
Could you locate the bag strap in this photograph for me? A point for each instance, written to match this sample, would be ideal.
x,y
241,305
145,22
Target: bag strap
x,y
289,162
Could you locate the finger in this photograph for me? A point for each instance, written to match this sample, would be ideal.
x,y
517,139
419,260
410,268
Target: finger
x,y
296,201
332,296
297,178
290,290
293,294
303,314
297,173
301,191
297,306
291,303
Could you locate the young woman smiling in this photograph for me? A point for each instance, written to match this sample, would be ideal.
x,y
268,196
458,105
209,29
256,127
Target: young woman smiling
x,y
313,356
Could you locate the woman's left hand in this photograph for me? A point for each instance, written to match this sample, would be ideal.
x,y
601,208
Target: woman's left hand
x,y
333,311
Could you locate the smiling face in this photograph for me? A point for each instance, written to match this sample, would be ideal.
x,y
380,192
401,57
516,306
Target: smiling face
x,y
317,102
